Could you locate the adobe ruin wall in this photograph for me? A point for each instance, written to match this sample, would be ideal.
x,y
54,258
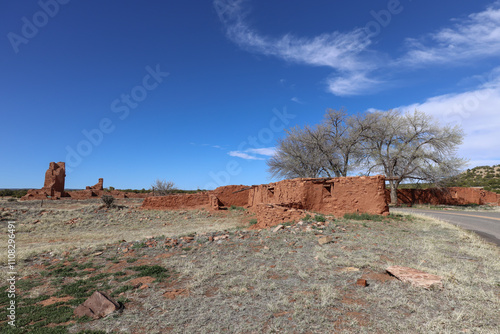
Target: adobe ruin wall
x,y
221,197
287,200
447,196
334,196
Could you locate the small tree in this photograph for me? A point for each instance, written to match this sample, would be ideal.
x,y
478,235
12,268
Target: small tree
x,y
162,187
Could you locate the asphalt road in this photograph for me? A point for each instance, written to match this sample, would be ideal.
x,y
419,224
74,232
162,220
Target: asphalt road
x,y
485,224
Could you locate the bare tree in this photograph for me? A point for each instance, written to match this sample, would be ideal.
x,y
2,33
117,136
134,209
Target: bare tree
x,y
343,142
162,187
410,146
296,156
329,149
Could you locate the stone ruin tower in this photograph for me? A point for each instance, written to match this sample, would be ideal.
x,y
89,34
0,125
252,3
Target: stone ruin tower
x,y
54,179
53,187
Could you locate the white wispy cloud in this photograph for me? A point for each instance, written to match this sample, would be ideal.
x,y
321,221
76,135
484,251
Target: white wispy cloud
x,y
340,51
352,84
243,155
296,100
251,153
269,151
477,111
475,37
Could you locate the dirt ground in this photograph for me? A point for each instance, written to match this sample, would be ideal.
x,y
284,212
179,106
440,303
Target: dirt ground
x,y
205,272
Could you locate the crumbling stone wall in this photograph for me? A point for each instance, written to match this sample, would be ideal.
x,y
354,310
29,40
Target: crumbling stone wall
x,y
447,196
178,201
287,200
221,197
335,196
232,195
269,215
98,186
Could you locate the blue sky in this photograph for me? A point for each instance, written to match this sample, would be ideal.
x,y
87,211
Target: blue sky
x,y
197,92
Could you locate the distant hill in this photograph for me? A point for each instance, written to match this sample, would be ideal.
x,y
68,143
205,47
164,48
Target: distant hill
x,y
482,176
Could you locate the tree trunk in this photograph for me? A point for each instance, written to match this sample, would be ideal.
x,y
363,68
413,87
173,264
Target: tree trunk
x,y
394,192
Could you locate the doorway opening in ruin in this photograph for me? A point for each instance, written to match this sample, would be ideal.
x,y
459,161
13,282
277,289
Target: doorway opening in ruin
x,y
270,191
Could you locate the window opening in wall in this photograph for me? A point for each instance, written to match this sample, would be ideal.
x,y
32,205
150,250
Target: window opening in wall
x,y
327,189
271,190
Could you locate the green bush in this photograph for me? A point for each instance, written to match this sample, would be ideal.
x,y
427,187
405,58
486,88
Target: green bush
x,y
320,218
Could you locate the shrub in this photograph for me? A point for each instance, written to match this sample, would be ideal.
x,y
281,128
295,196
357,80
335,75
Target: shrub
x,y
162,187
320,218
108,200
253,221
153,271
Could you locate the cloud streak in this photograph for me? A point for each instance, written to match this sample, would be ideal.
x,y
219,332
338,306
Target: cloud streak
x,y
243,155
251,153
348,53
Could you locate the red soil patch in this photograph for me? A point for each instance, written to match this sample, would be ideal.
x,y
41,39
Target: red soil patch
x,y
142,281
53,300
174,293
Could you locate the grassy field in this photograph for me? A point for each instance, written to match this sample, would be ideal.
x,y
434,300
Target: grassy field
x,y
202,272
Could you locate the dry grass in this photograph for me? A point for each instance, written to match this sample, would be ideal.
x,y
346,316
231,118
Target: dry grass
x,y
264,282
60,226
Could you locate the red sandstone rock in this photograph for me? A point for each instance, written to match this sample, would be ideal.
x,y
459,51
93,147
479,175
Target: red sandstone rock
x,y
325,240
277,228
362,282
97,306
415,277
